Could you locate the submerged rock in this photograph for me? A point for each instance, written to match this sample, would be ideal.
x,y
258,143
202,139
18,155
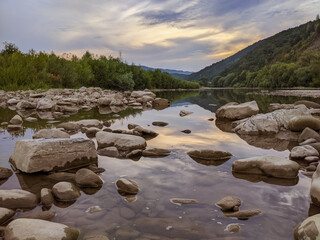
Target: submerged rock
x,y
51,154
299,123
233,228
229,203
87,178
127,186
183,201
65,192
109,152
6,214
213,155
44,215
160,124
155,152
236,111
186,131
242,214
50,133
36,229
309,229
267,165
17,198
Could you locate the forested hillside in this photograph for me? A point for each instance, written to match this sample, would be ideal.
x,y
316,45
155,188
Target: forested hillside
x,y
208,73
42,70
288,59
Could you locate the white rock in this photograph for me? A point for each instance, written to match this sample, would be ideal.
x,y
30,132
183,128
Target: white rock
x,y
50,133
235,111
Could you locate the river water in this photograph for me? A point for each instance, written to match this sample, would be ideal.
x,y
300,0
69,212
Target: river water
x,y
284,204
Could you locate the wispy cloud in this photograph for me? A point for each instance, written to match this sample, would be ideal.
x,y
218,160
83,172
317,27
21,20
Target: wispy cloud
x,y
181,34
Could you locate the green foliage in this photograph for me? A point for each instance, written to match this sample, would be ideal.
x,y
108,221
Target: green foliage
x,y
41,70
288,59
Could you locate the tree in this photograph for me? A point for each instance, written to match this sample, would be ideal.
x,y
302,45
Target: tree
x,y
317,18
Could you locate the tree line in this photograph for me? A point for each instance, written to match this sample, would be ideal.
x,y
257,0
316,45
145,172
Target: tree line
x,y
35,70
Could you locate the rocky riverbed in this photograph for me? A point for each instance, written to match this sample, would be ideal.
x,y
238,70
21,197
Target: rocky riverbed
x,y
129,166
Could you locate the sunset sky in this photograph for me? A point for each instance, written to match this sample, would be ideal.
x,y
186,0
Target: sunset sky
x,y
175,34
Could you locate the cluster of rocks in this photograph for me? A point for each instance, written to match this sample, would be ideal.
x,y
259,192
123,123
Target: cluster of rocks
x,y
58,103
299,122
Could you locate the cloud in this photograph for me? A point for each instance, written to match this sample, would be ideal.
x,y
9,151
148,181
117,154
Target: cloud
x,y
184,34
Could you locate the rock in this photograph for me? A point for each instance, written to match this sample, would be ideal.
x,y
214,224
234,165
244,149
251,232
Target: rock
x,y
14,127
94,168
98,237
300,152
109,152
183,201
160,103
123,142
269,123
31,119
69,126
209,155
107,123
308,133
16,120
311,159
12,101
45,105
299,123
127,186
134,154
308,104
235,111
22,229
5,173
242,214
155,152
233,228
140,94
184,113
308,142
92,131
26,105
145,132
46,197
52,154
311,168
186,131
6,214
132,126
309,229
90,123
267,165
65,192
159,124
50,133
229,203
44,215
17,198
87,178
126,232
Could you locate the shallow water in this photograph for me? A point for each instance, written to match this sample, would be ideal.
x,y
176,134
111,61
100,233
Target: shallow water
x,y
152,216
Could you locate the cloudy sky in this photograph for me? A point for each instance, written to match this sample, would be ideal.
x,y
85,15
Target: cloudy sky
x,y
176,34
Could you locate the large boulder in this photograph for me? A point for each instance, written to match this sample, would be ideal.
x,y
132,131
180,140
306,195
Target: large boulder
x,y
65,192
300,152
50,133
267,165
45,155
17,198
87,178
309,229
299,123
36,229
123,142
236,111
269,123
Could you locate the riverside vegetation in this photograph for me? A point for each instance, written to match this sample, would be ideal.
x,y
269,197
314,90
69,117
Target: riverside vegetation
x,y
34,70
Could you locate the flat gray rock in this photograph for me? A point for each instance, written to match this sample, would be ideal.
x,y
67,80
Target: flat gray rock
x,y
267,165
45,155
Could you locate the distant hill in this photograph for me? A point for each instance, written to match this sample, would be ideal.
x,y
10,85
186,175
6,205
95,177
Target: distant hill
x,y
215,69
174,73
290,58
